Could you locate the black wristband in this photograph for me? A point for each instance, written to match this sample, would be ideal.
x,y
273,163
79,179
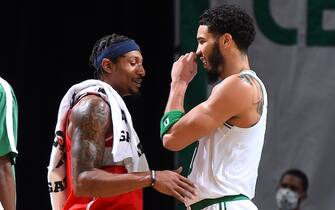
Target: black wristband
x,y
153,178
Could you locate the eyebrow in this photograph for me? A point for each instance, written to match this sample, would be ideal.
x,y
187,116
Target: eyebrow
x,y
200,38
137,58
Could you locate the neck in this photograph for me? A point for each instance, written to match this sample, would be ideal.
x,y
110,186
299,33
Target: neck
x,y
113,85
234,64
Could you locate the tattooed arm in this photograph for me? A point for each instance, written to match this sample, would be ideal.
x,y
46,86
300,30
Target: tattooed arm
x,y
89,122
233,100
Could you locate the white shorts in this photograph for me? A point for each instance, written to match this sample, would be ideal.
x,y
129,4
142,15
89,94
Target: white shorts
x,y
232,205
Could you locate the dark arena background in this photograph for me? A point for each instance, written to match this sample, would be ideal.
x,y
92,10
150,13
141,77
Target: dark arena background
x,y
45,49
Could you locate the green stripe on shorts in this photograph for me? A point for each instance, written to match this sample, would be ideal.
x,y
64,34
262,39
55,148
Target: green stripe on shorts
x,y
208,202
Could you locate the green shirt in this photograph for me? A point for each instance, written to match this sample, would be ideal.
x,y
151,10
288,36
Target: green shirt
x,y
8,121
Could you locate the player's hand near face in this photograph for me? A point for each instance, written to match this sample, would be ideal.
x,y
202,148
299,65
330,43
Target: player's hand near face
x,y
185,68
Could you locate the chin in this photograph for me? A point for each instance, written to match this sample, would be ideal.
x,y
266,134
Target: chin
x,y
133,91
208,68
134,96
136,90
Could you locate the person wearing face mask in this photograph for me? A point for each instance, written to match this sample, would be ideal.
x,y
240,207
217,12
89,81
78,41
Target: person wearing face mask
x,y
292,190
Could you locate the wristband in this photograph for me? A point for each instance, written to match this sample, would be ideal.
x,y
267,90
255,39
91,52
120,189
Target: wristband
x,y
168,120
153,178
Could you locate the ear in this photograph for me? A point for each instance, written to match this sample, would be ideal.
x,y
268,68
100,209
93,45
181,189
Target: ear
x,y
107,65
304,196
226,40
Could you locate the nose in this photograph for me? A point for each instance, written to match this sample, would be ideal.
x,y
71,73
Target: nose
x,y
198,52
141,70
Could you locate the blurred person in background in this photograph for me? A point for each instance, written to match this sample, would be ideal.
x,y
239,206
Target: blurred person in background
x,y
292,190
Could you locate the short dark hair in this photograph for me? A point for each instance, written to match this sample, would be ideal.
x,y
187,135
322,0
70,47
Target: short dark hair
x,y
100,45
298,173
230,19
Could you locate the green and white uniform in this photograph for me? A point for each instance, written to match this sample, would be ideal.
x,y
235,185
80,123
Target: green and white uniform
x,y
225,164
8,121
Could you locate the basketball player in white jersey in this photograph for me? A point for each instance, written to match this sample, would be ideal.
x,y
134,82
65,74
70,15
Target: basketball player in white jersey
x,y
230,125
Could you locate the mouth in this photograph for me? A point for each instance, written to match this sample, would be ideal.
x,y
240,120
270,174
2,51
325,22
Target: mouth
x,y
138,82
203,60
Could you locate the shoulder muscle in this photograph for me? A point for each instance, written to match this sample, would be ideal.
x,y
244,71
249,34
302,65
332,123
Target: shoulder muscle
x,y
92,114
90,121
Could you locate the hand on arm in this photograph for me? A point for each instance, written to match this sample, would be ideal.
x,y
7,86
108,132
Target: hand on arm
x,y
7,184
89,123
174,184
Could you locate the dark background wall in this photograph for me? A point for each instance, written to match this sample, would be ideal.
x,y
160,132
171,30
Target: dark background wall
x,y
45,49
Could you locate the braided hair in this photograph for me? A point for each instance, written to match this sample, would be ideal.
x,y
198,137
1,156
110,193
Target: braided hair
x,y
103,43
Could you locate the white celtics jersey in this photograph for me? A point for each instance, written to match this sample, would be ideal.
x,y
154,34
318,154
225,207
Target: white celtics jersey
x,y
226,161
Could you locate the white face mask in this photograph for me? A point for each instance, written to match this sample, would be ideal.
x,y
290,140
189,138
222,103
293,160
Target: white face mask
x,y
287,199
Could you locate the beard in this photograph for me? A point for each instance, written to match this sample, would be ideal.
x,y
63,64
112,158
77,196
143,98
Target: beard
x,y
216,61
133,96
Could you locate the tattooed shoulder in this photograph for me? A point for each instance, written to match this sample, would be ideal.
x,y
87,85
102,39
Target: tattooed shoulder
x,y
92,116
247,78
253,82
91,121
